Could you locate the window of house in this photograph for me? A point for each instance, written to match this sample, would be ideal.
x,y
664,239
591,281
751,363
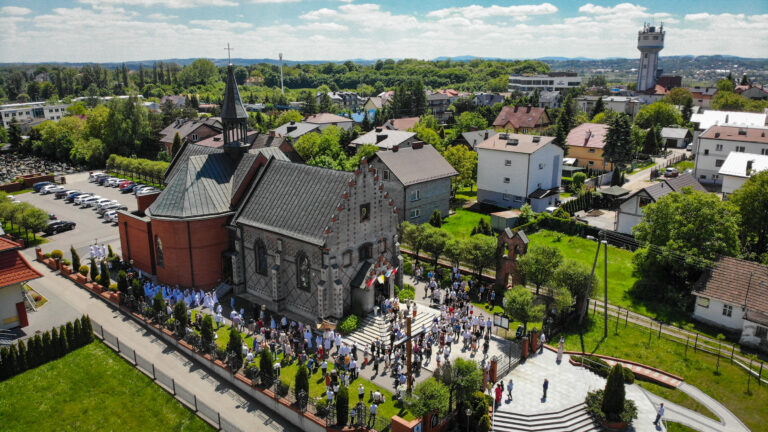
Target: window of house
x,y
591,150
764,151
385,174
541,166
507,162
644,201
519,199
260,253
302,272
702,302
740,149
761,332
719,147
506,179
365,252
719,162
346,258
591,163
727,310
415,195
706,152
415,213
382,245
506,197
159,257
194,137
702,176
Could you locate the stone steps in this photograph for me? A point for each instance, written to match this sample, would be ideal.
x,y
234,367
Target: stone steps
x,y
376,326
571,419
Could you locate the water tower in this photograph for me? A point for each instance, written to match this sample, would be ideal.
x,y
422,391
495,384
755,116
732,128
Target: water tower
x,y
649,41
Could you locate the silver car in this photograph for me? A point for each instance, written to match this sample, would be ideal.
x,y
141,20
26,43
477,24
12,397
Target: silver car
x,y
80,198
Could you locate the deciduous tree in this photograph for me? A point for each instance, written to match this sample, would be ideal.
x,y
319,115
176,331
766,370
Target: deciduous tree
x,y
519,304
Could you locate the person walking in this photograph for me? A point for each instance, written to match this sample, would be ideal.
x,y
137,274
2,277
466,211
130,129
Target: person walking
x,y
546,386
560,347
542,341
510,386
659,414
499,391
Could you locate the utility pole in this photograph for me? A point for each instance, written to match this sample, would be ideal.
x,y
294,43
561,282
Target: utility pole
x,y
605,284
585,305
282,90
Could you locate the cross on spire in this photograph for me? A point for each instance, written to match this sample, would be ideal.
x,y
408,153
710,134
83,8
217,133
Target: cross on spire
x,y
229,53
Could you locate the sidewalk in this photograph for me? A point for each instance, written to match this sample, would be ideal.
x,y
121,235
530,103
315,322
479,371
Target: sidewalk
x,y
235,407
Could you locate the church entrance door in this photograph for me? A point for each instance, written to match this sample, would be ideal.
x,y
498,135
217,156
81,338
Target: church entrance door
x,y
226,268
382,289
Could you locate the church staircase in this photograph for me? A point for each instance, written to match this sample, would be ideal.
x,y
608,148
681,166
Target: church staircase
x,y
376,326
572,419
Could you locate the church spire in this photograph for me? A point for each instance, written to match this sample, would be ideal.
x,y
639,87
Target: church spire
x,y
234,118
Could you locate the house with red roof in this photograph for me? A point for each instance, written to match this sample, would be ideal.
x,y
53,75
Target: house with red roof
x,y
525,119
585,143
14,271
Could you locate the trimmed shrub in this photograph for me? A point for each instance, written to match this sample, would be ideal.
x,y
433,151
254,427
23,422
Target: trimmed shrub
x,y
436,219
601,367
342,406
138,292
75,258
407,267
158,303
94,270
78,336
65,262
407,293
484,425
55,343
349,324
7,365
206,331
56,254
47,353
122,282
105,281
614,395
180,316
322,408
265,365
38,354
83,270
302,380
63,343
22,357
71,336
235,350
251,371
87,330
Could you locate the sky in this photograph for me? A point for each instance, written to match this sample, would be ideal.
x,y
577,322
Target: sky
x,y
129,30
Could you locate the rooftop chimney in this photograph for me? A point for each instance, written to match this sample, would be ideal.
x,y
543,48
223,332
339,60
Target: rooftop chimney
x,y
717,134
417,145
512,141
486,135
528,109
395,149
515,108
380,138
379,129
742,131
536,139
292,128
272,133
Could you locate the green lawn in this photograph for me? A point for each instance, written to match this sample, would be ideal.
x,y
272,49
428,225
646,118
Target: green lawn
x,y
464,196
684,165
566,195
641,166
677,427
19,192
461,223
19,232
728,386
91,389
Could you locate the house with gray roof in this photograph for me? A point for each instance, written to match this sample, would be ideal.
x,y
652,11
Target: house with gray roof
x,y
295,130
472,138
385,139
190,130
418,178
631,208
676,137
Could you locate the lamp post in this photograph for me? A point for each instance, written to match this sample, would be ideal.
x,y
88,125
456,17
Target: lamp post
x,y
468,412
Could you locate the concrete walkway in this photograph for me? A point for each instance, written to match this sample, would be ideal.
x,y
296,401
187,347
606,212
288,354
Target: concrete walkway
x,y
678,414
232,405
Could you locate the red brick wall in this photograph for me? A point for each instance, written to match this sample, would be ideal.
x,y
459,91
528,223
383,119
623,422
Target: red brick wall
x,y
11,187
145,201
207,239
135,241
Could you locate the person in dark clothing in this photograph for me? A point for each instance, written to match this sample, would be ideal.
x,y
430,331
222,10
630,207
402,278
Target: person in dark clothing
x,y
546,386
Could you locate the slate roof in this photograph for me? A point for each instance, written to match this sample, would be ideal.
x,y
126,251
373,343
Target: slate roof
x,y
729,281
590,135
669,185
201,187
416,165
736,164
232,107
185,127
525,143
278,201
325,118
675,133
301,128
519,117
14,268
188,150
473,138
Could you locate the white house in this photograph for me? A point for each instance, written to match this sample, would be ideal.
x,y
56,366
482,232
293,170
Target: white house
x,y
717,142
734,296
385,139
32,112
631,209
738,167
704,120
14,271
329,119
513,169
676,137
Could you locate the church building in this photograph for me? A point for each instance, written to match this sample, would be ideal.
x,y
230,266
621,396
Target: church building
x,y
304,241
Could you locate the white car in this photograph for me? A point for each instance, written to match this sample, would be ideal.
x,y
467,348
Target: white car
x,y
101,202
110,216
80,198
106,203
92,178
113,182
146,191
88,202
51,189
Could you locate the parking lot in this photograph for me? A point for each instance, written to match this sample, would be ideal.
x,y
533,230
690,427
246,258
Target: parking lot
x,y
90,227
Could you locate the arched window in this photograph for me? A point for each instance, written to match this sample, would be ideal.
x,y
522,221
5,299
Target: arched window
x,y
302,272
260,252
159,258
365,252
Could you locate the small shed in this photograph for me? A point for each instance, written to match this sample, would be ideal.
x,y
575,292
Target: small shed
x,y
613,195
504,219
676,137
569,171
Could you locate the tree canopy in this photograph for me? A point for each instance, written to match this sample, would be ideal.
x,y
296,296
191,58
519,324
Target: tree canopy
x,y
659,114
751,200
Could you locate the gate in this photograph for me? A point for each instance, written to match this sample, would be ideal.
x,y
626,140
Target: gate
x,y
505,364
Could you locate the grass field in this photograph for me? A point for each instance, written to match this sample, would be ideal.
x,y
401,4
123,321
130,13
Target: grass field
x,y
19,192
91,389
684,165
32,240
461,223
728,385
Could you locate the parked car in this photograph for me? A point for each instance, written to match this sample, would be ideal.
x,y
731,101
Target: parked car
x,y
114,182
101,202
82,197
97,178
128,188
689,147
110,216
137,188
59,226
39,185
107,209
94,176
146,191
52,216
88,202
671,172
62,194
52,189
72,195
124,184
102,181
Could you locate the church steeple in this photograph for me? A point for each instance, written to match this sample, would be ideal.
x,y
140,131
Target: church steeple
x,y
234,118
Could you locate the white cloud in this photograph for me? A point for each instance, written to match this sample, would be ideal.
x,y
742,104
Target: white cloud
x,y
174,4
14,11
220,24
319,14
159,16
476,11
589,8
274,1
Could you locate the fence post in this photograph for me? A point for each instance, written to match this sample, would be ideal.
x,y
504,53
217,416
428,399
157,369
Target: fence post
x,y
153,371
102,332
194,396
660,324
626,319
686,346
117,340
134,358
650,335
760,374
696,342
618,316
733,348
218,417
173,386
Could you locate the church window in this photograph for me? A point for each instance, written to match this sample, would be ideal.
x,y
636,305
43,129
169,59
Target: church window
x,y
260,252
365,252
365,212
727,310
346,259
382,245
159,258
302,272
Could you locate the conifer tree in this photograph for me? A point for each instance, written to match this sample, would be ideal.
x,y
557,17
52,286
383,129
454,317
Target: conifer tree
x,y
48,353
22,357
71,342
94,270
104,280
63,343
436,220
55,343
75,258
78,333
614,394
87,330
598,108
176,144
342,406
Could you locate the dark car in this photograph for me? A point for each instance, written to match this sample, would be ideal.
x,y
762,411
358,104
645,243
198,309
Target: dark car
x,y
128,187
64,193
72,195
39,185
59,226
102,180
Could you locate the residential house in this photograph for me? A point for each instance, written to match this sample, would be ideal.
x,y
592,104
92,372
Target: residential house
x,y
514,169
703,120
418,178
373,103
734,296
386,96
738,168
190,130
401,124
702,96
717,142
631,208
438,104
752,92
295,130
14,271
487,99
622,104
385,139
178,101
328,119
344,100
31,113
549,99
676,137
472,138
585,144
522,119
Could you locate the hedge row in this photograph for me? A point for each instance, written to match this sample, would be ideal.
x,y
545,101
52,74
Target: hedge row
x,y
39,350
601,367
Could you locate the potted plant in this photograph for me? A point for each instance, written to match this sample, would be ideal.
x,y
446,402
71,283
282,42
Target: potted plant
x,y
82,274
610,406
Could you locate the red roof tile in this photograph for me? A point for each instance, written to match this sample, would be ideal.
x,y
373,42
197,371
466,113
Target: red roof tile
x,y
7,244
590,135
14,269
520,117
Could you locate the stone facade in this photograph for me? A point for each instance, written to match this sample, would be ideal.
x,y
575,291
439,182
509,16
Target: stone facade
x,y
511,244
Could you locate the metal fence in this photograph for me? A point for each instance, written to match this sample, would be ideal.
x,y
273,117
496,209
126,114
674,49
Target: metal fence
x,y
181,393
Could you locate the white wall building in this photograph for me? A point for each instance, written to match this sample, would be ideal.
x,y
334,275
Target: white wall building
x,y
717,142
649,42
31,112
513,169
623,104
554,81
738,168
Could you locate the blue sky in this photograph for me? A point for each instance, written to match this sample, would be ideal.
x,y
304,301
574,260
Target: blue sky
x,y
122,30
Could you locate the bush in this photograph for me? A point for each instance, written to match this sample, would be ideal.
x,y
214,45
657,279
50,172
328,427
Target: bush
x,y
408,292
283,387
342,406
594,401
407,267
56,254
349,324
83,270
122,282
265,365
75,258
322,408
47,255
113,287
104,280
436,219
65,261
302,380
206,331
37,297
180,316
94,270
484,425
560,213
251,371
600,367
614,395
